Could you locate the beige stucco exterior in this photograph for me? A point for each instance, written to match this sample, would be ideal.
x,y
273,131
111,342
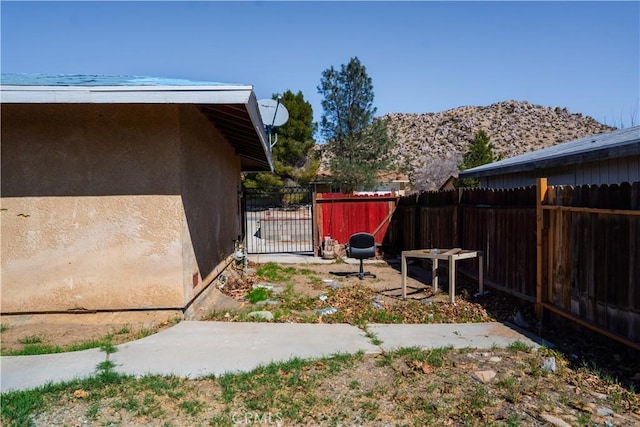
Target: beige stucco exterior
x,y
109,207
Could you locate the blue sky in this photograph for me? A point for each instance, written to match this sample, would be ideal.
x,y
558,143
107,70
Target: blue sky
x,y
422,56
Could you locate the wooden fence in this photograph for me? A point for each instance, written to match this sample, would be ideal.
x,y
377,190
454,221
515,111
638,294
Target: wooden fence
x,y
574,252
589,271
501,223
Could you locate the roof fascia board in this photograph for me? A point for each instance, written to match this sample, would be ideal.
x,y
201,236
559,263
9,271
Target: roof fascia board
x,y
621,150
126,94
256,121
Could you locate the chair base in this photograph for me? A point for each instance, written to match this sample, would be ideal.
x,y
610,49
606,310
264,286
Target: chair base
x,y
361,274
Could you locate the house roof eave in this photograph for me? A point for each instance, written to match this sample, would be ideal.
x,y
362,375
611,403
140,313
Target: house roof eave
x,y
231,108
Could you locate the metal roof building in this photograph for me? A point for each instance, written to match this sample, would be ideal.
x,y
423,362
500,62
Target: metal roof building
x,y
607,158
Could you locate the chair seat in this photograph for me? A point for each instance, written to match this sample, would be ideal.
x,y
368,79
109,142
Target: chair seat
x,y
361,246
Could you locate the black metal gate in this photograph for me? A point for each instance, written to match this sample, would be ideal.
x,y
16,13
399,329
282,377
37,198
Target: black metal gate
x,y
278,220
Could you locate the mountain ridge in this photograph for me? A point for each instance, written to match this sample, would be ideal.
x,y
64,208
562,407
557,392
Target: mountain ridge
x,y
431,144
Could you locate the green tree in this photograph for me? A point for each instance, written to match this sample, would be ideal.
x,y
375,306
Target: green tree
x,y
292,155
359,145
480,153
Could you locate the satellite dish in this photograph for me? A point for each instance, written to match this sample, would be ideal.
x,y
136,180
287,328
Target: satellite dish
x,y
273,113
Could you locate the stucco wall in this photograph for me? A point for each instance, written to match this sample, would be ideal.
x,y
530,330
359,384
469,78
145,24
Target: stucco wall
x,y
101,206
210,183
91,252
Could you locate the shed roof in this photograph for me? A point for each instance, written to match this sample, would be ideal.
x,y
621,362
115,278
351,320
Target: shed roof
x,y
232,108
610,145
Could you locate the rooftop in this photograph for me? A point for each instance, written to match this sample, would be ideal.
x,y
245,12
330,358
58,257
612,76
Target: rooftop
x,y
619,143
44,79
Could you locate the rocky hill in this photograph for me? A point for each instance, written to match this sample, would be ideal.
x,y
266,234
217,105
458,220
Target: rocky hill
x,y
431,144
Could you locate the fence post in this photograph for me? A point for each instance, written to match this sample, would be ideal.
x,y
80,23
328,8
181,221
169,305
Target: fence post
x,y
541,191
316,210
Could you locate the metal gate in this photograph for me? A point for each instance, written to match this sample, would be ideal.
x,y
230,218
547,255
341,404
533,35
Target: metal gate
x,y
278,220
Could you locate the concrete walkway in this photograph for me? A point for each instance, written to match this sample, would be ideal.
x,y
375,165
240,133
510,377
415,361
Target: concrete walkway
x,y
192,349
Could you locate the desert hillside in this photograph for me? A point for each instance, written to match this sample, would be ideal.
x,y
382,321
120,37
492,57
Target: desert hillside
x,y
430,144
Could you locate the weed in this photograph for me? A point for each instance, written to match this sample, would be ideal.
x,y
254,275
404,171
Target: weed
x,y
279,313
93,410
316,282
511,387
128,403
160,386
192,407
106,373
382,316
615,398
373,337
434,357
302,303
20,405
476,400
3,327
340,361
584,419
31,339
518,346
223,420
143,333
513,420
258,294
40,348
108,348
386,359
125,329
275,273
370,410
354,385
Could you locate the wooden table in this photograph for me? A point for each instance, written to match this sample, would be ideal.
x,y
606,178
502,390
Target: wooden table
x,y
452,255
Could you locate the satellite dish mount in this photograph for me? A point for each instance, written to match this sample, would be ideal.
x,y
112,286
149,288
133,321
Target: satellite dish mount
x,y
273,114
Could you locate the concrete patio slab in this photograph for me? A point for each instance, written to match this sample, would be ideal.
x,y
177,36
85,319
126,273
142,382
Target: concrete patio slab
x,y
194,349
459,335
28,372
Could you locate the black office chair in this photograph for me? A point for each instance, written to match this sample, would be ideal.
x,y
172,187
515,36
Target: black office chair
x,y
361,246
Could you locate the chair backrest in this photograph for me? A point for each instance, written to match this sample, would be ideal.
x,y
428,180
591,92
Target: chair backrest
x,y
362,245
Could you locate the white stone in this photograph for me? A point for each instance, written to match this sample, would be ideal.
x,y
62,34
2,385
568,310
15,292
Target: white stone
x,y
555,420
266,315
485,376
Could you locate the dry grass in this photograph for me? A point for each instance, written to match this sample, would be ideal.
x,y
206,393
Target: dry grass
x,y
406,387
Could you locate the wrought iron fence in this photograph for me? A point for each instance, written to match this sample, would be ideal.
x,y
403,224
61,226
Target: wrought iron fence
x,y
279,220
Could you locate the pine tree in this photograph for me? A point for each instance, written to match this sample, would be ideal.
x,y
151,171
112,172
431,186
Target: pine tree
x,y
359,145
480,153
292,155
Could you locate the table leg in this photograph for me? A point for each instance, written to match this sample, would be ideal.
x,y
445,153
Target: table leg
x,y
434,275
452,280
403,267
